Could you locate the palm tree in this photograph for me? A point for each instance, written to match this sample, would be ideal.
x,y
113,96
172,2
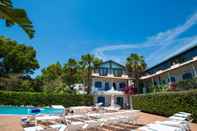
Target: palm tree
x,y
88,63
14,16
135,65
71,72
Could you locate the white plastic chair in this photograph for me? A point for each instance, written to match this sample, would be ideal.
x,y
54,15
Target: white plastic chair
x,y
34,128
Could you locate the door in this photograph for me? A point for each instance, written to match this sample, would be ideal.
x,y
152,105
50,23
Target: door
x,y
101,99
119,101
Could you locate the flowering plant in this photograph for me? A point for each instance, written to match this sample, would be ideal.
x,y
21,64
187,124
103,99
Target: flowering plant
x,y
130,90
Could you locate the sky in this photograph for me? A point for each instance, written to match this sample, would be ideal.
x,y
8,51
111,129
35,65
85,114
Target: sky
x,y
109,29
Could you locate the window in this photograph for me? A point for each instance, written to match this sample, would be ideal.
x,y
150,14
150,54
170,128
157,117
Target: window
x,y
155,83
187,76
114,85
122,85
107,86
98,84
117,72
101,99
163,82
103,71
173,79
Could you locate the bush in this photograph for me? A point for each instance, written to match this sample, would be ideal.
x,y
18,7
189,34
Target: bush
x,y
43,99
186,84
167,103
158,88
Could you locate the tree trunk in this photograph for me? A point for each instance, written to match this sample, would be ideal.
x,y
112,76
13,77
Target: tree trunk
x,y
89,80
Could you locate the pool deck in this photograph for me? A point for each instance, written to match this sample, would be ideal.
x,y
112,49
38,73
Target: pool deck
x,y
12,123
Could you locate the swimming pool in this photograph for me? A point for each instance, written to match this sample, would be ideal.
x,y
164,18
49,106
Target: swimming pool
x,y
15,110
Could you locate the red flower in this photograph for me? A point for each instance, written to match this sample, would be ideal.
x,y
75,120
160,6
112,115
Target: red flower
x,y
129,90
173,86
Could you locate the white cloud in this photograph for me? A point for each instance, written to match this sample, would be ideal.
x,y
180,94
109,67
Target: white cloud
x,y
171,34
162,39
187,43
100,52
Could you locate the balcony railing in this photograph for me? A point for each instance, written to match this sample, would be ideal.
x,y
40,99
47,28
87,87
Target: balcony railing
x,y
106,89
105,72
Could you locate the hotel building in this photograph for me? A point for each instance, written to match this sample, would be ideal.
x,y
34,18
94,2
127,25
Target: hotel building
x,y
108,83
182,66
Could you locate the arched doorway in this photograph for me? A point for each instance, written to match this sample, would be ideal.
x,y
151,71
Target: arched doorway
x,y
119,101
101,99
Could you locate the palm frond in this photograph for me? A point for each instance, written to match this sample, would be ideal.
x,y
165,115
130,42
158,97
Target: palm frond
x,y
16,16
6,3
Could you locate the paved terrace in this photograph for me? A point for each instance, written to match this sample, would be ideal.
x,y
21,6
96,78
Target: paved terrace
x,y
12,123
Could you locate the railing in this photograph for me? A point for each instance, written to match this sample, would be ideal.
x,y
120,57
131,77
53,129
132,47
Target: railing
x,y
104,89
106,72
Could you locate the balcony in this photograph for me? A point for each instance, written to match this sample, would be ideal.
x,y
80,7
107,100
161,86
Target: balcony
x,y
115,72
98,89
111,75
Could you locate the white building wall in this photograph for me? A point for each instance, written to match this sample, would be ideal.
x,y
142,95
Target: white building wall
x,y
177,73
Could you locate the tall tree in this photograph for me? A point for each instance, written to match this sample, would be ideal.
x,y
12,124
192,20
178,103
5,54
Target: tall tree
x,y
17,62
14,16
135,65
16,58
52,72
52,79
71,74
88,63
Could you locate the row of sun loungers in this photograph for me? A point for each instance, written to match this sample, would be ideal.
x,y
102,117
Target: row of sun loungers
x,y
177,122
87,121
91,121
96,120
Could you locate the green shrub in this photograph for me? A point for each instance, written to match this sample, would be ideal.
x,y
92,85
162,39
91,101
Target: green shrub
x,y
167,103
43,99
158,88
186,84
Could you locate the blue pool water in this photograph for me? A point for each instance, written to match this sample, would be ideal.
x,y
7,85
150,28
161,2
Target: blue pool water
x,y
14,110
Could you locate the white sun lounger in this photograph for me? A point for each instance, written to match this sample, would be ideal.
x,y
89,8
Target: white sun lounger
x,y
113,120
74,126
177,118
181,124
96,115
73,116
159,127
181,115
60,127
123,118
187,116
90,124
47,117
34,128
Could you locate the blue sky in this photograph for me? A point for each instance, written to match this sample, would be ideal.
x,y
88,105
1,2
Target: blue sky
x,y
110,29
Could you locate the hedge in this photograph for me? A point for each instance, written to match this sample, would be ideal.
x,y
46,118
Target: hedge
x,y
43,99
167,103
186,84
